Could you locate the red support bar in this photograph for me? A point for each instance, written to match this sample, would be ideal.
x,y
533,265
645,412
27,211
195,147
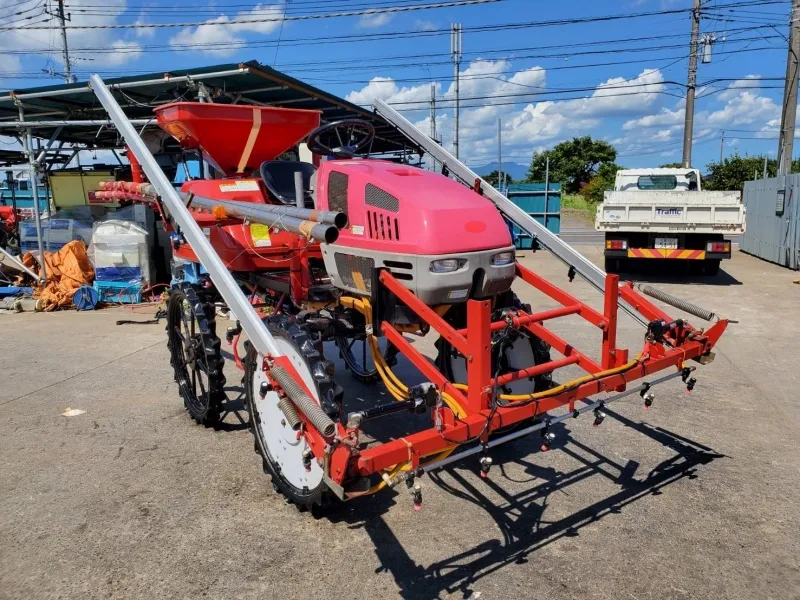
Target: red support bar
x,y
536,370
479,359
431,441
523,319
425,313
560,296
610,308
563,347
423,364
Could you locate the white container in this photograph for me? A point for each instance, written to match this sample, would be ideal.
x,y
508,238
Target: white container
x,y
120,244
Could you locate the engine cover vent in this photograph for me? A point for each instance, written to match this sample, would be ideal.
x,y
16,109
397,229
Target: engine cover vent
x,y
337,191
382,227
355,271
375,196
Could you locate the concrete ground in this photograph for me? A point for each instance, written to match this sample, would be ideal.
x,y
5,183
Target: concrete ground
x,y
695,498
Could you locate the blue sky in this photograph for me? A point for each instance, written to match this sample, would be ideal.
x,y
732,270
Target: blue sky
x,y
619,80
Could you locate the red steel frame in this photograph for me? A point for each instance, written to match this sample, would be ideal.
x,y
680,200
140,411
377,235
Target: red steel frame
x,y
474,342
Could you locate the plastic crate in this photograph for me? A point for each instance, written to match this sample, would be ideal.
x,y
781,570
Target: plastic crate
x,y
34,247
118,292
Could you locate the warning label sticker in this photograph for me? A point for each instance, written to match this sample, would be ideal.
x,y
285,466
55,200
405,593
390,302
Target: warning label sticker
x,y
242,185
260,234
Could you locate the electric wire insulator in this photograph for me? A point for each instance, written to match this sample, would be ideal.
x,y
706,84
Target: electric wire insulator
x,y
679,303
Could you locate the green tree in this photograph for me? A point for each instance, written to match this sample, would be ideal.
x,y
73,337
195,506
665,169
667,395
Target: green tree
x,y
572,163
493,178
733,171
673,165
603,180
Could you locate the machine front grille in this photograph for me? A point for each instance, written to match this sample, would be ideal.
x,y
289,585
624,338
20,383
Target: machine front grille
x,y
375,196
337,191
498,286
355,271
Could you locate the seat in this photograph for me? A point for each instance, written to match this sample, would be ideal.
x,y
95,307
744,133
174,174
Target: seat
x,y
278,176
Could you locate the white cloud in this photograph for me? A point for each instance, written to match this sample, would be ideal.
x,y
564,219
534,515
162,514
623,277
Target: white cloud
x,y
374,20
219,30
746,108
424,25
123,52
749,82
10,63
386,89
35,39
144,32
620,96
664,117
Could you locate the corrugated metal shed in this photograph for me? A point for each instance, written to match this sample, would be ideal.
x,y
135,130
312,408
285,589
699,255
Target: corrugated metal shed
x,y
773,220
240,83
543,205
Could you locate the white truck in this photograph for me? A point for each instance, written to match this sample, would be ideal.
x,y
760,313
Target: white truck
x,y
663,214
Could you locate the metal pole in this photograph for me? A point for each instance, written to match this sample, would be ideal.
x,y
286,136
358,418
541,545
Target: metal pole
x,y
721,145
18,264
546,189
765,168
499,153
560,249
548,421
786,143
455,54
433,121
691,84
27,143
251,322
299,193
68,77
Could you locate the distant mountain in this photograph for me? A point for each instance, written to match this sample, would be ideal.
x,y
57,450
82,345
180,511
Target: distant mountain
x,y
516,171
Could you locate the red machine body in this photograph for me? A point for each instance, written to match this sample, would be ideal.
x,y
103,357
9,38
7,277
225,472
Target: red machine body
x,y
237,139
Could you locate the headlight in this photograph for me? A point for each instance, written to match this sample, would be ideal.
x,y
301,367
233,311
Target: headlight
x,y
447,265
503,258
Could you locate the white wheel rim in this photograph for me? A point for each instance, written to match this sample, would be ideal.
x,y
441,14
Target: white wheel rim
x,y
280,441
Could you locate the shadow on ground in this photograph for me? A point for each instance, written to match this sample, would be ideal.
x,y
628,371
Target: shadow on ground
x,y
520,518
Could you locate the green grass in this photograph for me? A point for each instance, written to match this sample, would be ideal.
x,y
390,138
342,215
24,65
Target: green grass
x,y
577,205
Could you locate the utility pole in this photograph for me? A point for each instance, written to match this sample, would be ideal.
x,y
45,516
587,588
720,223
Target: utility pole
x,y
691,84
499,151
455,55
68,77
721,145
433,121
786,140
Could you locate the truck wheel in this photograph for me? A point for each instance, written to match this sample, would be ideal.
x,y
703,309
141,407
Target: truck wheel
x,y
711,267
612,264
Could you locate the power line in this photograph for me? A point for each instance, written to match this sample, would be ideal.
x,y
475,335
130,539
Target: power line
x,y
350,13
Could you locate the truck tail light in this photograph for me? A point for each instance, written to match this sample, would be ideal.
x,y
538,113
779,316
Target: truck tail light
x,y
616,244
718,247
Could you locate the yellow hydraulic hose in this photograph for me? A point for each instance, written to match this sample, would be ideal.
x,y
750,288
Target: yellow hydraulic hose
x,y
396,388
564,386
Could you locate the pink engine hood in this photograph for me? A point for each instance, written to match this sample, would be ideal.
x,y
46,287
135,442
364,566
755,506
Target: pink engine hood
x,y
412,211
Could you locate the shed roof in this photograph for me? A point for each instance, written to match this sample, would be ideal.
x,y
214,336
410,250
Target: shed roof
x,y
247,83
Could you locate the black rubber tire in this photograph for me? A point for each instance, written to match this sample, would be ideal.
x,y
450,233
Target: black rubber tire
x,y
612,264
711,267
351,362
330,394
540,348
205,408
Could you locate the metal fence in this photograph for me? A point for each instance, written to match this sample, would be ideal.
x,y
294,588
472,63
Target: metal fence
x,y
773,220
540,201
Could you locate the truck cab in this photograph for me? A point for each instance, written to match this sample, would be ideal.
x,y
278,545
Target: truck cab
x,y
664,215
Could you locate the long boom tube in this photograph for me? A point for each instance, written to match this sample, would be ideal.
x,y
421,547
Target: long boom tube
x,y
566,253
250,321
